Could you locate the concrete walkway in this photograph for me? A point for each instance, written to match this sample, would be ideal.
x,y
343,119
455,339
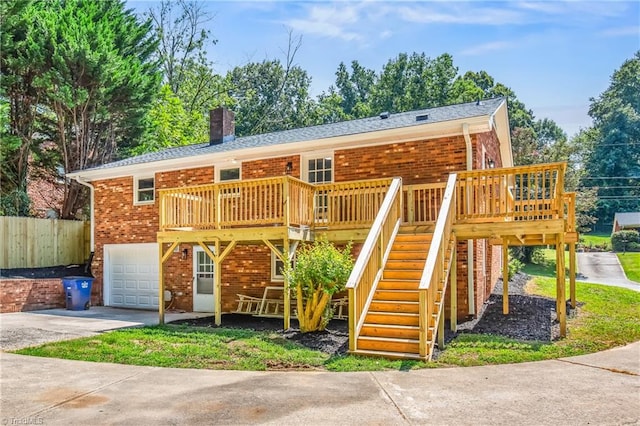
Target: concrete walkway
x,y
603,268
602,388
22,329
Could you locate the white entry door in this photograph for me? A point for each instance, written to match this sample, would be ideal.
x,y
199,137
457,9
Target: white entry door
x,y
203,278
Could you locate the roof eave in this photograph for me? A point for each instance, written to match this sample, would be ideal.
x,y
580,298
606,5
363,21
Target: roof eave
x,y
477,124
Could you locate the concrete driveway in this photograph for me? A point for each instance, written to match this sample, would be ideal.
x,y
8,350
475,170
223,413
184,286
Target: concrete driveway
x,y
602,389
603,268
22,329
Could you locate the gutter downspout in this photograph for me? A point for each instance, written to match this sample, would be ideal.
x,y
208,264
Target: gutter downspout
x,y
470,258
91,188
93,224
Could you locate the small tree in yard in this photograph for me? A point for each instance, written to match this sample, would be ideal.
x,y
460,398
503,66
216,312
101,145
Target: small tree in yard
x,y
321,270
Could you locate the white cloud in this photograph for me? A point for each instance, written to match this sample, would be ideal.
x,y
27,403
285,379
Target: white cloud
x,y
481,49
621,31
385,34
459,13
336,21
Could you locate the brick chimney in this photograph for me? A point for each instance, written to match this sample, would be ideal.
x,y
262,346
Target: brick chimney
x,y
222,126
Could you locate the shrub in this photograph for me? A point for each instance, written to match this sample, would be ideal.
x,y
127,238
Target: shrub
x,y
321,270
633,247
622,240
515,266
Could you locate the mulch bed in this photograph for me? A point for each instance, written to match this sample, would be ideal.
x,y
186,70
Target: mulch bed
x,y
531,318
43,273
334,340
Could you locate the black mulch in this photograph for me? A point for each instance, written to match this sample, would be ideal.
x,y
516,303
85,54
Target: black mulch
x,y
530,318
48,272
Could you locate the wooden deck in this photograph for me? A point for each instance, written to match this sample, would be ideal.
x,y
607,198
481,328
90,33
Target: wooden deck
x,y
511,206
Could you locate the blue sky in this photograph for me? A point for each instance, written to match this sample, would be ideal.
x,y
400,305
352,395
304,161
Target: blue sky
x,y
555,55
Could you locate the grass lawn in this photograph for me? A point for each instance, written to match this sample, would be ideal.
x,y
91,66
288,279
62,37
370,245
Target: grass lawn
x,y
631,264
601,239
606,317
547,268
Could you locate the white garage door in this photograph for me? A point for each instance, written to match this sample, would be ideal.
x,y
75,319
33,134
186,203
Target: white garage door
x,y
131,275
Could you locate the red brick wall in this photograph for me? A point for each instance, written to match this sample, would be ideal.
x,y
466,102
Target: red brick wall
x,y
270,167
29,295
416,162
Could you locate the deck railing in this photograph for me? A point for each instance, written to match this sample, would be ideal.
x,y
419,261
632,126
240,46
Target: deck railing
x,y
422,203
518,193
349,204
272,201
367,270
258,202
436,270
490,195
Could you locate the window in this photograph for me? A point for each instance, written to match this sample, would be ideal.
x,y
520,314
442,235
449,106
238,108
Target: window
x,y
144,192
228,171
229,174
319,170
277,265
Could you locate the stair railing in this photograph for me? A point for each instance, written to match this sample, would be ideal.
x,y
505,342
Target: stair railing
x,y
367,270
436,270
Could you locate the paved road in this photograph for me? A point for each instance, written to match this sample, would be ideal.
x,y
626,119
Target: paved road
x,y
21,329
601,388
603,268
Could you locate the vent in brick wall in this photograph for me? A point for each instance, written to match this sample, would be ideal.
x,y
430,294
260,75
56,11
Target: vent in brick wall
x,y
422,117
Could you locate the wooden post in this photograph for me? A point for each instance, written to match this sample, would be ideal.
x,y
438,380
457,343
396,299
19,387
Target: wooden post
x,y
561,303
441,327
453,289
287,292
352,319
217,273
160,284
287,205
572,274
505,277
424,324
410,205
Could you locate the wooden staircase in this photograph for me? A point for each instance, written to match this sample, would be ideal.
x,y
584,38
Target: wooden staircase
x,y
392,325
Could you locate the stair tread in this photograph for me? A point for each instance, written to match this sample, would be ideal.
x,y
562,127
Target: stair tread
x,y
409,314
387,354
389,339
404,327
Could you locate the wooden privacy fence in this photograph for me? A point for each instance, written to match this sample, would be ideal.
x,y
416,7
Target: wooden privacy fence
x,y
29,242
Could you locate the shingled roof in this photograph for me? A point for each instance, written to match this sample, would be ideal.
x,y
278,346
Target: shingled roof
x,y
344,128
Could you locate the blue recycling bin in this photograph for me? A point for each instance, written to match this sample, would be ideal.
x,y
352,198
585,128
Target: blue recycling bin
x,y
77,292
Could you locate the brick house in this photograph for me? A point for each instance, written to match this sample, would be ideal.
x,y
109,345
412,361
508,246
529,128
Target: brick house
x,y
181,215
626,221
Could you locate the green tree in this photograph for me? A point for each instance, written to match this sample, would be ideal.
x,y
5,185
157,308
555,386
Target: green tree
x,y
167,124
320,271
269,97
354,88
410,82
93,82
182,52
183,40
20,62
329,108
613,163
